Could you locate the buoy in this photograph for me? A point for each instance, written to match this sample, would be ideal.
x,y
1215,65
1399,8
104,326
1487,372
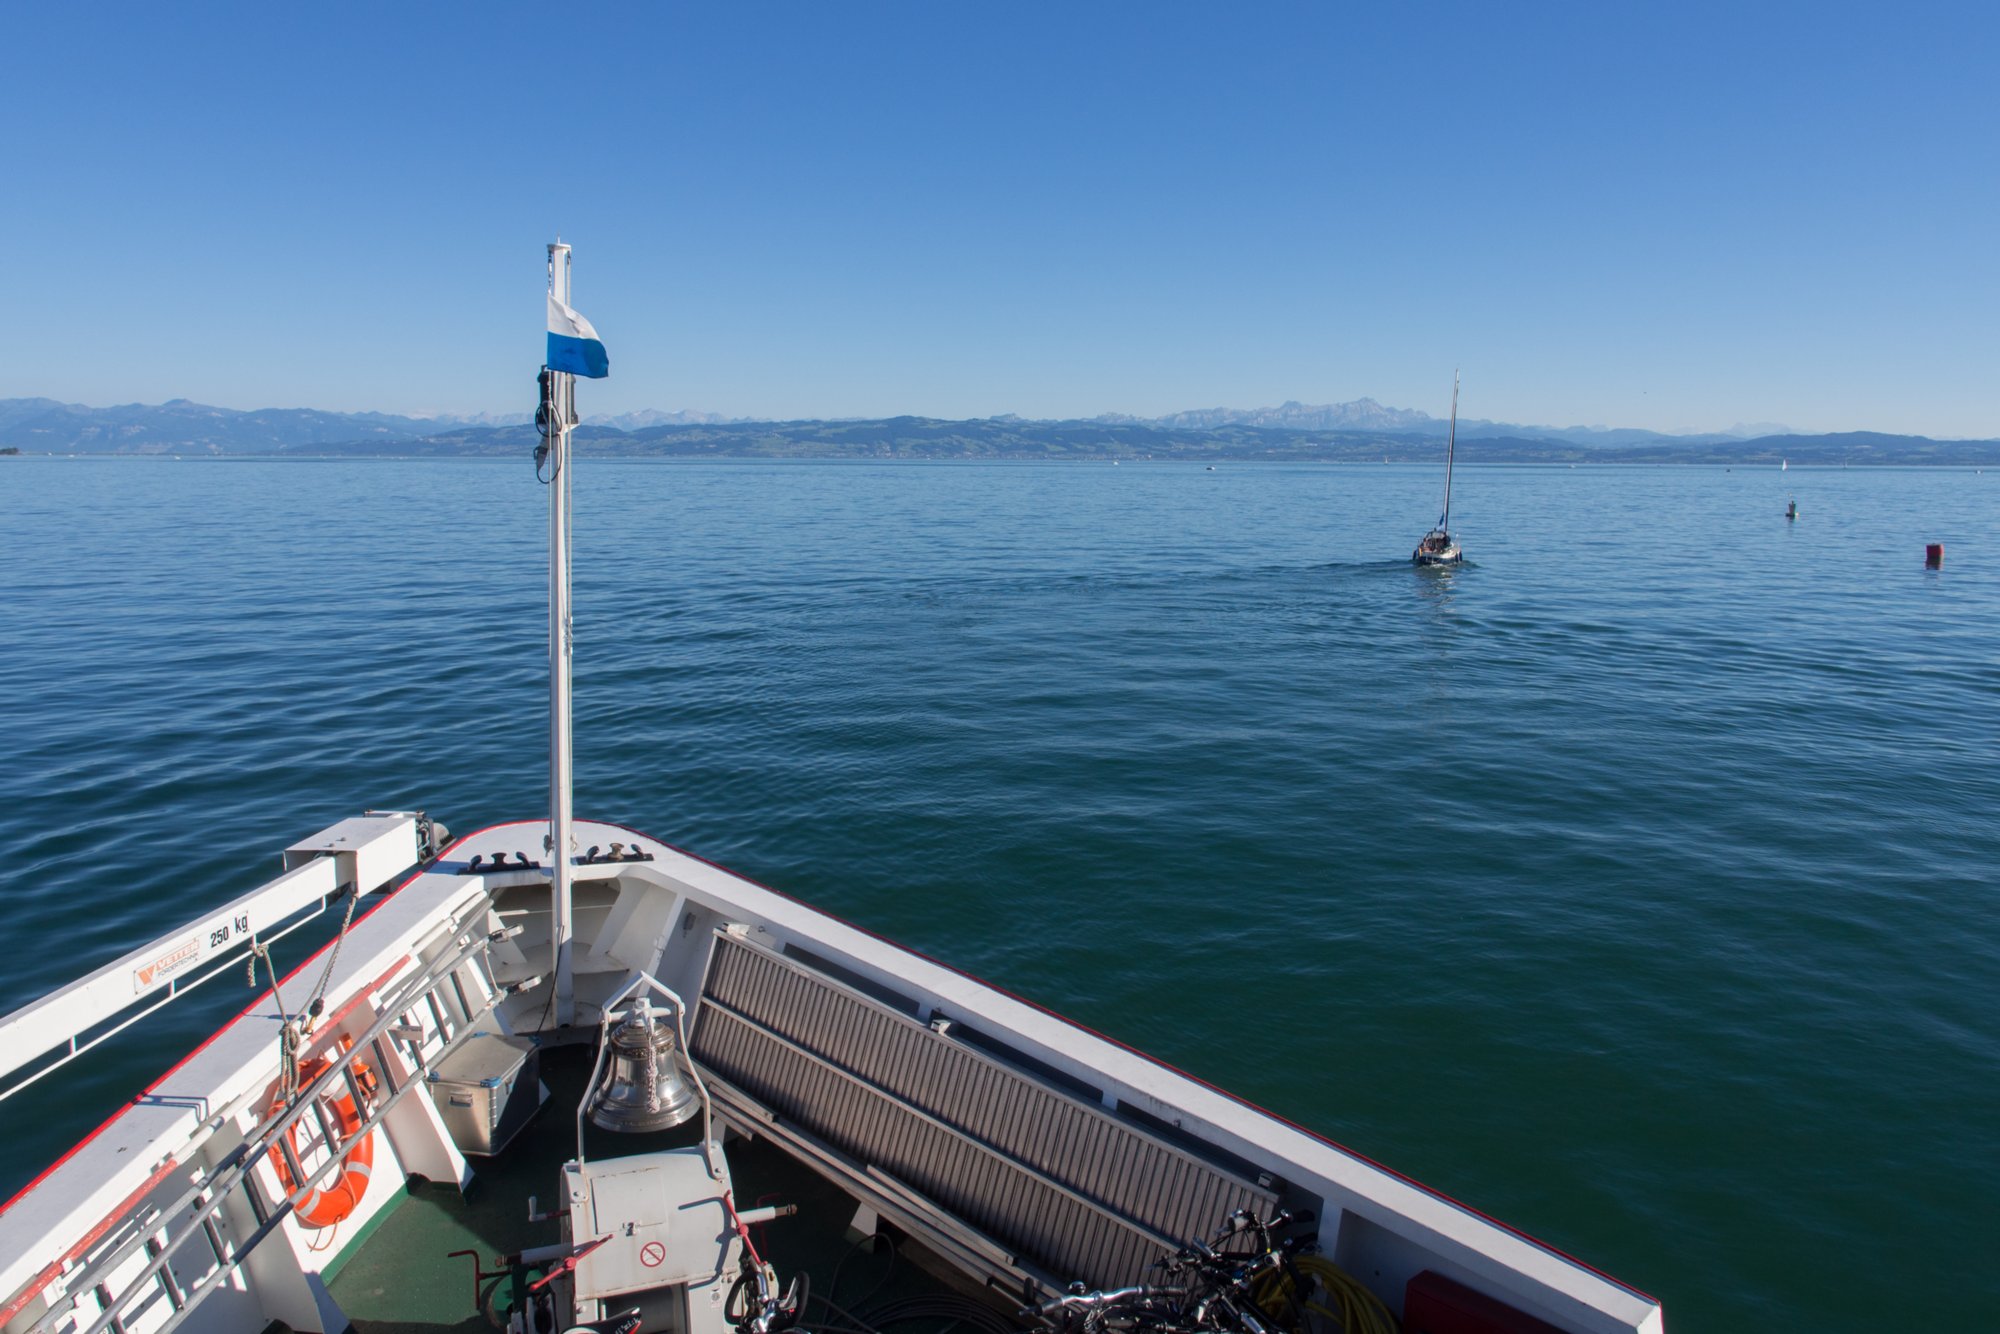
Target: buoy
x,y
1934,556
332,1203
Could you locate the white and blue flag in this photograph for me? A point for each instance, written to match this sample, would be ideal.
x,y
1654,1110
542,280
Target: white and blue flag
x,y
573,344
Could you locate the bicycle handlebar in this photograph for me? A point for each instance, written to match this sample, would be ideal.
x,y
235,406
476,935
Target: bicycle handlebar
x,y
1086,1301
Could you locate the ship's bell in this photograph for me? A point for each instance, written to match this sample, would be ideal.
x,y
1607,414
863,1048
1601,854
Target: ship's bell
x,y
644,1085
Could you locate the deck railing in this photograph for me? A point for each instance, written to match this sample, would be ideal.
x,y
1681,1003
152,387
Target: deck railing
x,y
154,1233
352,857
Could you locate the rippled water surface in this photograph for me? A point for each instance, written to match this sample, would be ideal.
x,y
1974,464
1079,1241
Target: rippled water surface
x,y
1633,883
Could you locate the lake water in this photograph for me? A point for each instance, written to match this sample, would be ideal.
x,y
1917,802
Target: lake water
x,y
1633,883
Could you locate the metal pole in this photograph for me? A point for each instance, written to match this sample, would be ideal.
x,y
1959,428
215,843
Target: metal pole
x,y
1450,448
561,925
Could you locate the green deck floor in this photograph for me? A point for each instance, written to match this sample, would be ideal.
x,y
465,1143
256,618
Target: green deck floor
x,y
398,1277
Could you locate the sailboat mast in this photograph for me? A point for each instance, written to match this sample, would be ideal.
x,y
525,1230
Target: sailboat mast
x,y
561,397
1450,448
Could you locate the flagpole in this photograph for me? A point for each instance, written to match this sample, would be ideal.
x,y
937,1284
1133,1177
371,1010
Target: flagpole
x,y
561,917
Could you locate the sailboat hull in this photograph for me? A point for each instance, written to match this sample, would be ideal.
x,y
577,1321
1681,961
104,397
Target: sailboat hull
x,y
1437,548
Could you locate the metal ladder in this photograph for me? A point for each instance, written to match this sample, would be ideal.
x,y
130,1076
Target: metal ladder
x,y
161,1231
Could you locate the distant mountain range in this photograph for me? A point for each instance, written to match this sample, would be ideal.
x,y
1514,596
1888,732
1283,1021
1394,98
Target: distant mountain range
x,y
43,425
1365,414
1363,430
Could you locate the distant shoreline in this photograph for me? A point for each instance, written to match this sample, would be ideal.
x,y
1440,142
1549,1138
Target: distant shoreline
x,y
48,428
299,456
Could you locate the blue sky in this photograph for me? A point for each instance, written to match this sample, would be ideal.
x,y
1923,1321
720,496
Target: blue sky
x,y
1677,216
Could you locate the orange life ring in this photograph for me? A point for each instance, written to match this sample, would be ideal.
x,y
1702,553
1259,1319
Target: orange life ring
x,y
328,1204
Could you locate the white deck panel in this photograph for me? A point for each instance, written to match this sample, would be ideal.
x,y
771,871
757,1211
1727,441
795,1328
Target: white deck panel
x,y
45,1222
1497,1258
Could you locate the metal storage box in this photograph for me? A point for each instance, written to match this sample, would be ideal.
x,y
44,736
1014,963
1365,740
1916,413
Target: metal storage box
x,y
486,1087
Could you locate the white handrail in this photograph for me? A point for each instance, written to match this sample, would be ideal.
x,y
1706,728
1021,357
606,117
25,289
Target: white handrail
x,y
363,853
175,990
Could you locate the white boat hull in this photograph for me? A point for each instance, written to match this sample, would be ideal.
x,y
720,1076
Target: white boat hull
x,y
671,916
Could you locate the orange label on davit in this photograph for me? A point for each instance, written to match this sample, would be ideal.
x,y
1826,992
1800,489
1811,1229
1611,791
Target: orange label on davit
x,y
175,959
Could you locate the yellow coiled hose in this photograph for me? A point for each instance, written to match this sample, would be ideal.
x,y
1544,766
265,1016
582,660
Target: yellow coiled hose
x,y
1332,1294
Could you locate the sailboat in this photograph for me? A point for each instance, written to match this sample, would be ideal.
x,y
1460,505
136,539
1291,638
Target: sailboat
x,y
679,1092
1438,546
